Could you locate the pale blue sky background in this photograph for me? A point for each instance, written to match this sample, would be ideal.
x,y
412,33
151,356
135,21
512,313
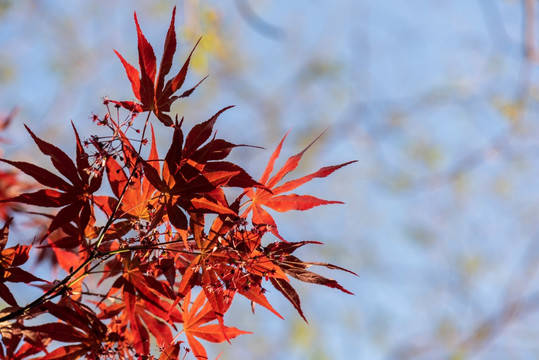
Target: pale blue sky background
x,y
432,98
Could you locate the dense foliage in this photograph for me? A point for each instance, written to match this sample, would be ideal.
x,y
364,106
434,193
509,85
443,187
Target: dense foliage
x,y
166,251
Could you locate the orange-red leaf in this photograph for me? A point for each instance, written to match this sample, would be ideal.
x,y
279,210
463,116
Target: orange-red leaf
x,y
269,195
284,203
132,75
194,319
171,353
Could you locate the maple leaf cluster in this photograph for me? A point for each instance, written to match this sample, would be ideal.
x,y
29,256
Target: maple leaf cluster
x,y
154,248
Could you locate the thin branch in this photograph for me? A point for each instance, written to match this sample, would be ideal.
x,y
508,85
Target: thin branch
x,y
257,23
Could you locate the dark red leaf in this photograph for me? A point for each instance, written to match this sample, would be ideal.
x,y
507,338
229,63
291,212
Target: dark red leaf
x,y
6,295
59,159
177,82
66,215
242,179
289,293
187,93
69,352
4,233
200,133
58,331
129,105
309,276
21,255
41,175
21,276
147,62
168,53
174,153
177,217
45,198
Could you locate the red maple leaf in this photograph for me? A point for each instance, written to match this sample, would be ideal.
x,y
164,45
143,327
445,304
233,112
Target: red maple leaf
x,y
10,260
273,197
135,192
193,174
10,185
193,325
142,310
280,253
78,325
149,87
75,199
247,266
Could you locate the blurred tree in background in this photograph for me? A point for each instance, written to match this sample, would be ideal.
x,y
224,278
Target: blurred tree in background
x,y
437,99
